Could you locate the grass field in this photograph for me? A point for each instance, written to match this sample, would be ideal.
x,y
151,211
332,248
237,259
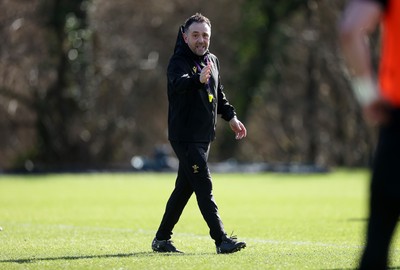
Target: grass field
x,y
107,221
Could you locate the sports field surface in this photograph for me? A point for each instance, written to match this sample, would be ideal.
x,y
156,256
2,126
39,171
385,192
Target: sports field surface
x,y
107,221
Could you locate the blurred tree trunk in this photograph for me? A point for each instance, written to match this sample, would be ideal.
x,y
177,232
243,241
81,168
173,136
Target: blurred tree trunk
x,y
261,41
311,110
311,97
58,106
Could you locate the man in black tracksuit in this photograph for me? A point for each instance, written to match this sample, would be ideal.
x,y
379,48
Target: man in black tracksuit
x,y
195,96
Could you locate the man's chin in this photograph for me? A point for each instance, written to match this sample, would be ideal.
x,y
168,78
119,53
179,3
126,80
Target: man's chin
x,y
201,52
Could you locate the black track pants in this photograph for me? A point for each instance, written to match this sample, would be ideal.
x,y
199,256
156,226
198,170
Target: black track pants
x,y
384,205
193,176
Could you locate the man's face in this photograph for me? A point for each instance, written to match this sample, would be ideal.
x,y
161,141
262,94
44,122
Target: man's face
x,y
198,38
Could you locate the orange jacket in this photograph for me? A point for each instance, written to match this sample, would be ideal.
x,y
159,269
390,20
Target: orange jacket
x,y
389,70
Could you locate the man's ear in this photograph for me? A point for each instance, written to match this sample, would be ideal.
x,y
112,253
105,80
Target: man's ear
x,y
185,37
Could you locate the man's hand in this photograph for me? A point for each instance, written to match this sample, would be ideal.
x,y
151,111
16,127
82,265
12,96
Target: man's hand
x,y
205,73
238,128
377,112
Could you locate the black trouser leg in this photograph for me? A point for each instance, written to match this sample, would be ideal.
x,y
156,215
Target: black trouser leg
x,y
175,205
194,172
201,182
384,213
384,203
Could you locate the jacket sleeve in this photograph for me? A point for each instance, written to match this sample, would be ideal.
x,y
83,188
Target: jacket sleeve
x,y
226,110
181,77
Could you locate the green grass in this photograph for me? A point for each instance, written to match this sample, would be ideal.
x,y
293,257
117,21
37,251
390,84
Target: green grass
x,y
107,221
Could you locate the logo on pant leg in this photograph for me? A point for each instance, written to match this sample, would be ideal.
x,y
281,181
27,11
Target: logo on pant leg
x,y
195,168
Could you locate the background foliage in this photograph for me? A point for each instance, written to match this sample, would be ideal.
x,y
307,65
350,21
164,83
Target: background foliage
x,y
83,85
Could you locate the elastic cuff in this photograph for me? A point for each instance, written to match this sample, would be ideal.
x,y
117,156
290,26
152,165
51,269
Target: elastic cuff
x,y
196,79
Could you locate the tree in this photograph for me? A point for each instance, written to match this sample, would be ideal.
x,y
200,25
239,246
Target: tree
x,y
57,75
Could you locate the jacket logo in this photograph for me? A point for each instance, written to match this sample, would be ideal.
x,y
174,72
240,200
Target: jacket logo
x,y
194,69
195,168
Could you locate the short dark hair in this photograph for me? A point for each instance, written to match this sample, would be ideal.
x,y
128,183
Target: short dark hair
x,y
196,18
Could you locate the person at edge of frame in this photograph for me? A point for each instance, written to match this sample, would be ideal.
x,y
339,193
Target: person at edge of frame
x,y
196,97
380,102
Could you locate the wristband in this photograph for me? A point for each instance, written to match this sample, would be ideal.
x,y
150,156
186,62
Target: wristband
x,y
364,90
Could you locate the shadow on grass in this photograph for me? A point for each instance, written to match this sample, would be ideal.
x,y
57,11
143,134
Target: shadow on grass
x,y
390,268
82,257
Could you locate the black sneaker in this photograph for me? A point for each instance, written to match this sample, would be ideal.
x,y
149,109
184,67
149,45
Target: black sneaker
x,y
164,246
230,245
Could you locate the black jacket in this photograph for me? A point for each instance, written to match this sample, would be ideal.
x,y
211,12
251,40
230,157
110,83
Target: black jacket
x,y
191,115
